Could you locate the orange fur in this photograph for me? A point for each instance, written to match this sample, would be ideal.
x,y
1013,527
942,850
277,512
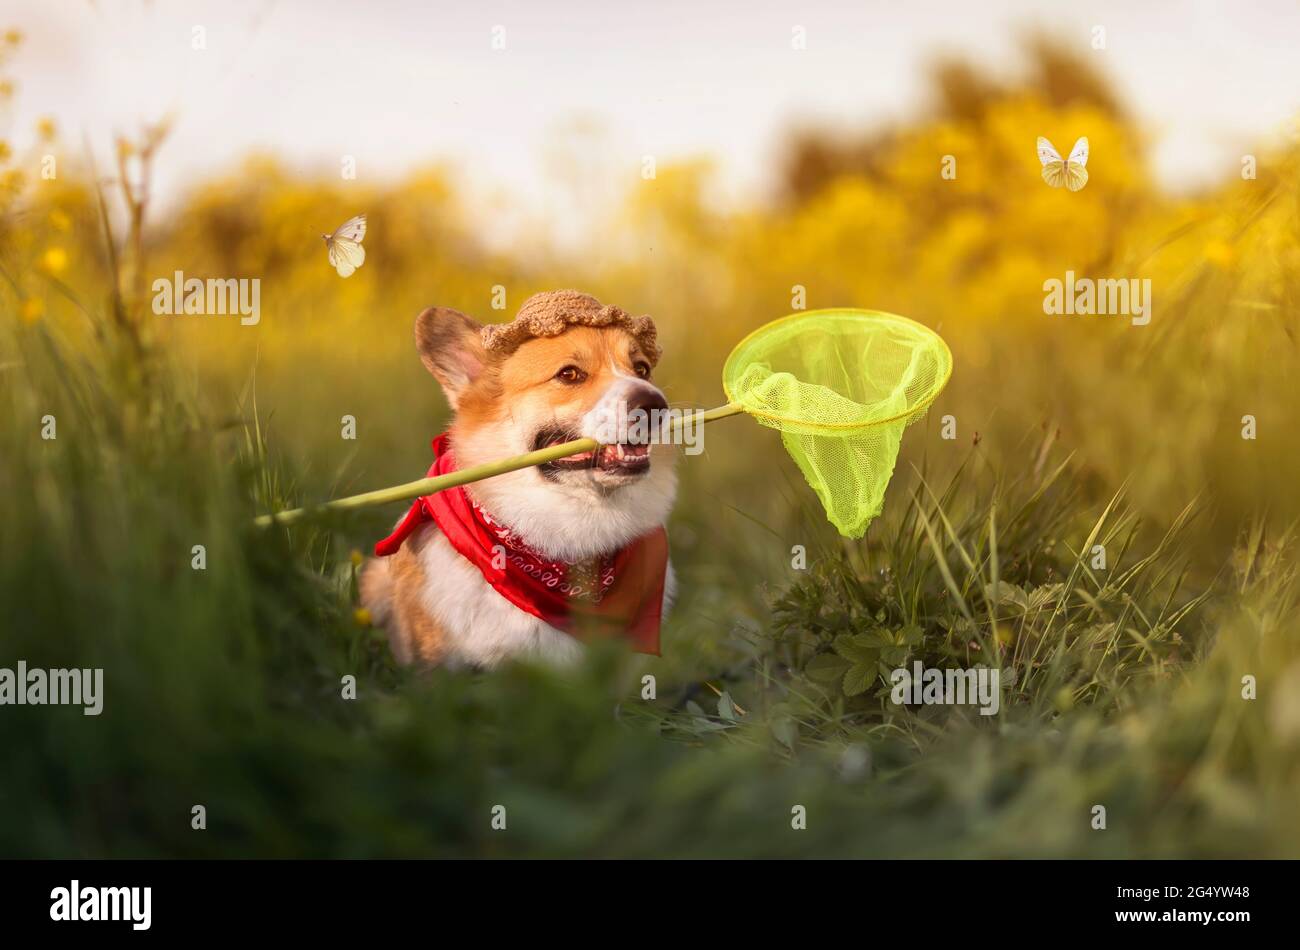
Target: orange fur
x,y
524,382
420,637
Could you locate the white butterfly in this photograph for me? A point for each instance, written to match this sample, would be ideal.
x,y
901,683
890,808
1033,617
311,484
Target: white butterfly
x,y
344,245
1070,172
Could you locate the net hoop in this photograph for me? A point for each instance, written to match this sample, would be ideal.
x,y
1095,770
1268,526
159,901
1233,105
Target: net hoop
x,y
873,316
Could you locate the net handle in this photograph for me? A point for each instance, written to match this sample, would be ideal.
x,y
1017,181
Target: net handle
x,y
475,473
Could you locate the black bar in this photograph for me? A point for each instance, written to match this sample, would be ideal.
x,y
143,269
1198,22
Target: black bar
x,y
215,899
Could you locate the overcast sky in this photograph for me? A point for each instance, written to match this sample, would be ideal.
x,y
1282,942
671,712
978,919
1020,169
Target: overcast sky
x,y
396,83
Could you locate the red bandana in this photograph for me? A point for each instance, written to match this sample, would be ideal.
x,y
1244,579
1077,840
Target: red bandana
x,y
622,592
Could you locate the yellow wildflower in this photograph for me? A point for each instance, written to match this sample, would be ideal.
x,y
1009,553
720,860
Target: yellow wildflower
x,y
1220,253
55,260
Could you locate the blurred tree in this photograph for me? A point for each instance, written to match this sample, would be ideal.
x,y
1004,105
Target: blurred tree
x,y
964,92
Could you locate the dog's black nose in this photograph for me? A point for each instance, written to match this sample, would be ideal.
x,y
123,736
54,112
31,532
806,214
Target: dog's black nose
x,y
647,399
646,411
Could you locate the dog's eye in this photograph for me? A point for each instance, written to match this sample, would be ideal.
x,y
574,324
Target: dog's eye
x,y
642,369
571,375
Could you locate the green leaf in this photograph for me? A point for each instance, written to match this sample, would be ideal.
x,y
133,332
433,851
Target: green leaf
x,y
785,731
911,635
1042,596
875,639
856,648
1009,593
894,657
826,668
859,678
726,709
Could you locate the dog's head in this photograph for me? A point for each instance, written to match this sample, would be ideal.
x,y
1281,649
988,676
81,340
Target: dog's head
x,y
553,376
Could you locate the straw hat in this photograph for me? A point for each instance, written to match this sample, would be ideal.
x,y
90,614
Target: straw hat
x,y
551,313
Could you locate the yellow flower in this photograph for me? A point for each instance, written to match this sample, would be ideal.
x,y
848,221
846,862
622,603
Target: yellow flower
x,y
46,129
13,37
60,221
1220,253
361,616
356,558
6,89
55,260
5,151
33,309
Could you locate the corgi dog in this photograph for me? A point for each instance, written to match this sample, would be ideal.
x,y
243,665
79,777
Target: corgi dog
x,y
504,568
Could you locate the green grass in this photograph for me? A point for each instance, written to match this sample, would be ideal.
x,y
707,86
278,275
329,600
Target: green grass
x,y
1122,686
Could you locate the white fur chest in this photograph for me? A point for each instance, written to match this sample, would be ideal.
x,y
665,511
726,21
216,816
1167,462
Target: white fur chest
x,y
481,627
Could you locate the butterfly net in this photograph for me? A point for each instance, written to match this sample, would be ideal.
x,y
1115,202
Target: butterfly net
x,y
841,386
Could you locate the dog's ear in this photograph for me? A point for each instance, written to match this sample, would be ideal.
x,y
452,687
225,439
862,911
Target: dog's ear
x,y
451,348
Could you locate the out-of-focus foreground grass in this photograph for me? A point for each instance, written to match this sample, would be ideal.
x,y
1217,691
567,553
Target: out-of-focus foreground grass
x,y
1122,685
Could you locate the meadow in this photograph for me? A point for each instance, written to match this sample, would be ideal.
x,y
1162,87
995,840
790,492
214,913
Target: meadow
x,y
1123,679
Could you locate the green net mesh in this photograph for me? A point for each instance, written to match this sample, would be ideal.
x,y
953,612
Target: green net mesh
x,y
841,386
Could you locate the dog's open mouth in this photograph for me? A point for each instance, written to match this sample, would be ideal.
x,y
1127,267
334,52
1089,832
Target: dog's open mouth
x,y
621,459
